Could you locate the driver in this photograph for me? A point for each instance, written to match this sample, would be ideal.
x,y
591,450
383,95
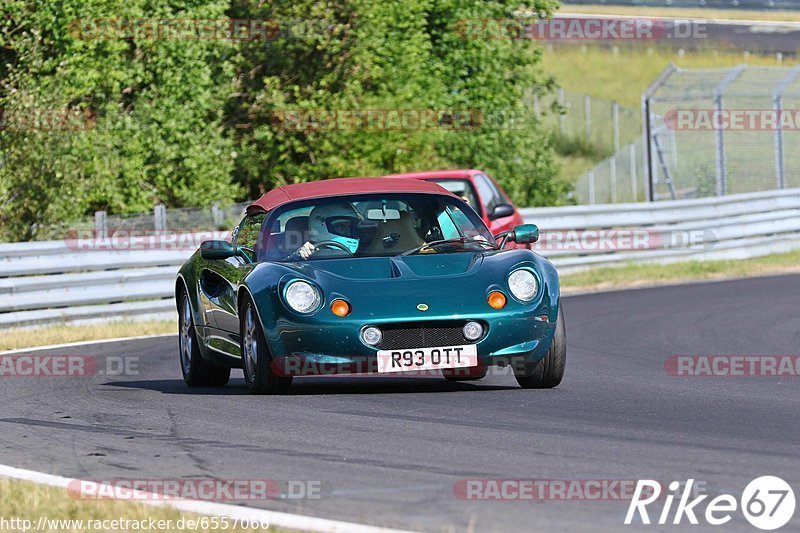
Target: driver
x,y
335,224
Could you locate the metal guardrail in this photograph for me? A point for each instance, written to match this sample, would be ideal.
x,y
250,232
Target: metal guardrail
x,y
53,282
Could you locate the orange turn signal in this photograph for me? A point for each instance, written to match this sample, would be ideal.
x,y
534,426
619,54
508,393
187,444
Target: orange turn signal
x,y
340,308
497,300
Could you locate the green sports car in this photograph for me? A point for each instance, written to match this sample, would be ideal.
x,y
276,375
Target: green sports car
x,y
368,275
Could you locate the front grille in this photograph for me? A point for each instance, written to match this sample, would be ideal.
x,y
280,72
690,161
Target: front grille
x,y
402,336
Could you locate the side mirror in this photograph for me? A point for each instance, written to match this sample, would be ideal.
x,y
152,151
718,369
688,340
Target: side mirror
x,y
501,210
524,234
217,250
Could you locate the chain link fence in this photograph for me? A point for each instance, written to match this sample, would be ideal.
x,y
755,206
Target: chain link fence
x,y
619,178
713,132
161,219
596,124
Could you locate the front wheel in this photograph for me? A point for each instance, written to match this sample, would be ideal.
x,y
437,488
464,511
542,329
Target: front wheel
x,y
259,374
196,371
550,370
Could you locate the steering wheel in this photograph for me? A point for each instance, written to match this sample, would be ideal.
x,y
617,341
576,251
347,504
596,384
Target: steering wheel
x,y
334,244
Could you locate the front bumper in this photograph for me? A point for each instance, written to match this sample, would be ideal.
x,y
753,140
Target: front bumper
x,y
327,346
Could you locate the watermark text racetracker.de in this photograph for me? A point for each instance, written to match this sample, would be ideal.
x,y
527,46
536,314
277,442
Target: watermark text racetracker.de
x,y
66,366
624,239
40,119
582,28
732,119
199,489
741,366
600,490
192,29
140,240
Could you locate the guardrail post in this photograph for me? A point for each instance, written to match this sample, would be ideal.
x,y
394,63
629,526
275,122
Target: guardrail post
x,y
160,217
591,187
615,122
100,225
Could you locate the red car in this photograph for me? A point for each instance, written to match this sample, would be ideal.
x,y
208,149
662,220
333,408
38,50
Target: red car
x,y
484,194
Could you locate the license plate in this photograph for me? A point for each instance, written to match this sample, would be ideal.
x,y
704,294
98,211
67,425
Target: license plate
x,y
427,358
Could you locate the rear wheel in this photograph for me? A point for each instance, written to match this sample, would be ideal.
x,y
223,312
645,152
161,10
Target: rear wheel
x,y
257,363
196,371
550,370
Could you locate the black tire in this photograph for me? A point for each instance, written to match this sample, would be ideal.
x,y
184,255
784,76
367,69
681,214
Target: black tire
x,y
550,370
259,374
197,372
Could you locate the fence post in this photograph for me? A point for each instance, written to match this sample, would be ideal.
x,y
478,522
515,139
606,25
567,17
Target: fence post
x,y
780,167
160,217
615,121
587,116
561,115
722,170
777,105
722,167
634,191
216,216
591,187
612,162
100,225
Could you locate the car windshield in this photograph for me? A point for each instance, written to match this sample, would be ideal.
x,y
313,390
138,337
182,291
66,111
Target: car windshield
x,y
373,226
461,188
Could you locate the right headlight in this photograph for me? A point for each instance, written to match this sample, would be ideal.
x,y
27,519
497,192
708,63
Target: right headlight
x,y
523,284
303,297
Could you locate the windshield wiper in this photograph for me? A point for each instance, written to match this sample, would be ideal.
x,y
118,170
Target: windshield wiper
x,y
462,240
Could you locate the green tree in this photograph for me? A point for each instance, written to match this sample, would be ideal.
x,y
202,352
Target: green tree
x,y
415,54
156,106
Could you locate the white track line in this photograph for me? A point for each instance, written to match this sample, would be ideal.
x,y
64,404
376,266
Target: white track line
x,y
274,518
85,343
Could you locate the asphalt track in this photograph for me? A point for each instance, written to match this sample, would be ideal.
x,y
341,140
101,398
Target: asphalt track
x,y
732,35
391,450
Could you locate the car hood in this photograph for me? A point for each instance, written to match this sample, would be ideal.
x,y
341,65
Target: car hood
x,y
392,287
377,268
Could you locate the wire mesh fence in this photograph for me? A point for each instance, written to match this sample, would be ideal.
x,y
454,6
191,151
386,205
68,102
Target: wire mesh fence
x,y
601,125
160,220
618,178
723,131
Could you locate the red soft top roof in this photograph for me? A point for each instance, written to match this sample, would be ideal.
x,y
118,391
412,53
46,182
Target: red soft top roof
x,y
431,174
341,187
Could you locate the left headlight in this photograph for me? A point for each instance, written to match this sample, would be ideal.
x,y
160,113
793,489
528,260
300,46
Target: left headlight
x,y
303,297
523,285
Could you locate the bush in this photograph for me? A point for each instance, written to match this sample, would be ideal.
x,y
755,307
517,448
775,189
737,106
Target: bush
x,y
190,122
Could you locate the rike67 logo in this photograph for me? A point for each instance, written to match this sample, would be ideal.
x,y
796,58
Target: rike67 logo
x,y
767,503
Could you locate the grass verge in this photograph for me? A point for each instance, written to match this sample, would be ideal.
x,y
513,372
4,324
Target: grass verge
x,y
633,275
13,339
623,73
28,501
